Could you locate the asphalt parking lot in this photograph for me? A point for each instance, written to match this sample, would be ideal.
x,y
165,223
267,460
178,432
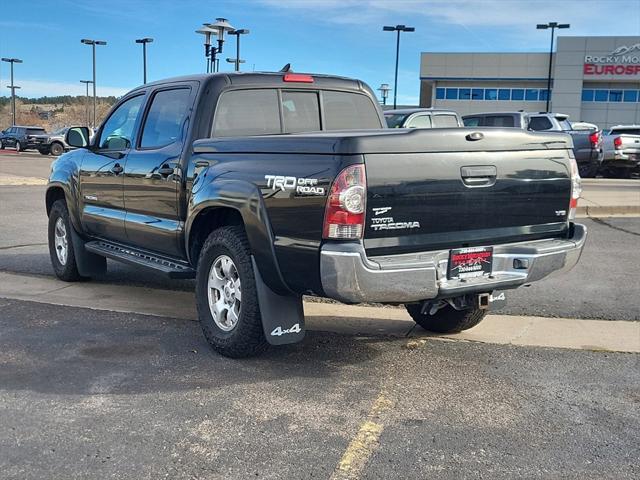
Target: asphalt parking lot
x,y
87,393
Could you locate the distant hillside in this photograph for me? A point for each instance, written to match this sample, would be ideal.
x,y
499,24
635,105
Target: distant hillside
x,y
54,112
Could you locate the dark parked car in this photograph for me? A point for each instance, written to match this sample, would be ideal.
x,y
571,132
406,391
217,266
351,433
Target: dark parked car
x,y
422,118
20,137
587,145
267,187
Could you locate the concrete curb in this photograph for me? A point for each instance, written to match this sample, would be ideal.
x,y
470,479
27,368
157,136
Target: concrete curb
x,y
607,210
604,335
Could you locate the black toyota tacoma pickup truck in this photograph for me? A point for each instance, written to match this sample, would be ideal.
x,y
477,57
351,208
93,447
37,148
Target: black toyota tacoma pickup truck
x,y
265,187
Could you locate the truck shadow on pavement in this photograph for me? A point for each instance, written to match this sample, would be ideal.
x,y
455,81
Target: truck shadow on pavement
x,y
76,351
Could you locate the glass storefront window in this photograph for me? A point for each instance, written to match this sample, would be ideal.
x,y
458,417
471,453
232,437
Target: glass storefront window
x,y
517,94
490,93
504,94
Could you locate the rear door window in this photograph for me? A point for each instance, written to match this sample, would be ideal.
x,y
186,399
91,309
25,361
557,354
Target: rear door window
x,y
247,112
444,121
35,131
421,121
300,111
540,123
348,111
165,118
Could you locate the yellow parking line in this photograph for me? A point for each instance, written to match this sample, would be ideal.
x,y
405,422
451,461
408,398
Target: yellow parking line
x,y
360,449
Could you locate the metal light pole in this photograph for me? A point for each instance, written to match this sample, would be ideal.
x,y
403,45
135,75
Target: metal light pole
x,y
93,44
13,88
144,42
237,60
552,26
398,29
384,92
86,100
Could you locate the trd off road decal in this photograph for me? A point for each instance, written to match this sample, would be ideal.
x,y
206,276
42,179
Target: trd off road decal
x,y
302,186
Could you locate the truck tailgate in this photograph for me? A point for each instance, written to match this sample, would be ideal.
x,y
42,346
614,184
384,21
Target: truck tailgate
x,y
464,192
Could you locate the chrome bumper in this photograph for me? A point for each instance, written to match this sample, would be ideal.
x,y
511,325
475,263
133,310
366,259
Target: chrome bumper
x,y
349,276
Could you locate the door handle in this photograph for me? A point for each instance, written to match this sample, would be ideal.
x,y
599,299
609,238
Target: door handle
x,y
117,169
479,176
166,169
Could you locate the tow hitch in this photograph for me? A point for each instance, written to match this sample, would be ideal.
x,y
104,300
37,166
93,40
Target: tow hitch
x,y
480,301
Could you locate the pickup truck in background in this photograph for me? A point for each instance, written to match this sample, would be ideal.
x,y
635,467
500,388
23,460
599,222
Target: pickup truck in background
x,y
422,118
52,143
587,145
622,151
265,187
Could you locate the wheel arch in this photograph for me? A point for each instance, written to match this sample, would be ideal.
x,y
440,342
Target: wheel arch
x,y
234,202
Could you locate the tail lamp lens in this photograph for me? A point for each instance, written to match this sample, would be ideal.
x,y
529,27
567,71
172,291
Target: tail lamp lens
x,y
594,138
617,142
345,210
576,189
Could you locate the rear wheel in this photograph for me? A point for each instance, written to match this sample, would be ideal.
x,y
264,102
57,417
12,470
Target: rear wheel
x,y
226,295
63,258
43,151
56,149
447,319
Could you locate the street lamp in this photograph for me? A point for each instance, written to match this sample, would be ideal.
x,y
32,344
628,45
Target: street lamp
x,y
206,31
144,42
13,88
220,26
93,44
397,28
86,102
552,26
384,92
237,60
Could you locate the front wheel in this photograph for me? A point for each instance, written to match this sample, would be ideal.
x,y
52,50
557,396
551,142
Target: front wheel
x,y
18,147
56,149
1,145
226,295
63,258
447,319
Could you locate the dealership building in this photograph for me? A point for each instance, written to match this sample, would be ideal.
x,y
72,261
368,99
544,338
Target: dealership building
x,y
594,79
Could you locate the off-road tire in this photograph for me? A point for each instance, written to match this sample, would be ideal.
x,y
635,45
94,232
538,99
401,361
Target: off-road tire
x,y
69,271
246,339
447,319
56,149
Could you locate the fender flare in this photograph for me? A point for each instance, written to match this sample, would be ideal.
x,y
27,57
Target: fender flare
x,y
65,176
245,198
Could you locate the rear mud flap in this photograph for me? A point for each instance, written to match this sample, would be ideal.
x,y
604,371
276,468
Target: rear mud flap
x,y
282,316
497,299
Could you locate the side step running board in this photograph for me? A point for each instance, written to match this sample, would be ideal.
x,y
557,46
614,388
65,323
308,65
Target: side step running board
x,y
120,253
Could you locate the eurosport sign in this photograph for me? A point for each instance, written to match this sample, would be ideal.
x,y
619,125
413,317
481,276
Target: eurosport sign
x,y
624,60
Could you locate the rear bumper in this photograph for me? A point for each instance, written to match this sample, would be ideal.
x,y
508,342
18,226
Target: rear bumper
x,y
349,276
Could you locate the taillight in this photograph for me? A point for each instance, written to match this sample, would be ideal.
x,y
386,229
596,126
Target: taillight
x,y
617,143
576,188
594,138
344,213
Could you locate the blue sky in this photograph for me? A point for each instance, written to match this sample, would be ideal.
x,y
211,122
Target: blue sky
x,y
341,37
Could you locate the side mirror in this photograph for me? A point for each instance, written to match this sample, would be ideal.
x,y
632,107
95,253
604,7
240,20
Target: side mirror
x,y
77,137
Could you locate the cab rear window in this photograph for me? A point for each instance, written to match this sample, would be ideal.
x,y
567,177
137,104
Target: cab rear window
x,y
258,111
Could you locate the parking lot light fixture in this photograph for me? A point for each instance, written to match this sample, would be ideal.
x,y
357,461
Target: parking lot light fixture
x,y
384,92
93,44
144,42
13,88
237,61
220,27
397,29
552,26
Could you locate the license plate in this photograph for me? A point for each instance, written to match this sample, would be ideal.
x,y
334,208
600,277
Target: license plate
x,y
470,262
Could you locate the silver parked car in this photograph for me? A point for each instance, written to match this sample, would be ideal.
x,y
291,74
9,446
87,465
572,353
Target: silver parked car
x,y
422,118
622,151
